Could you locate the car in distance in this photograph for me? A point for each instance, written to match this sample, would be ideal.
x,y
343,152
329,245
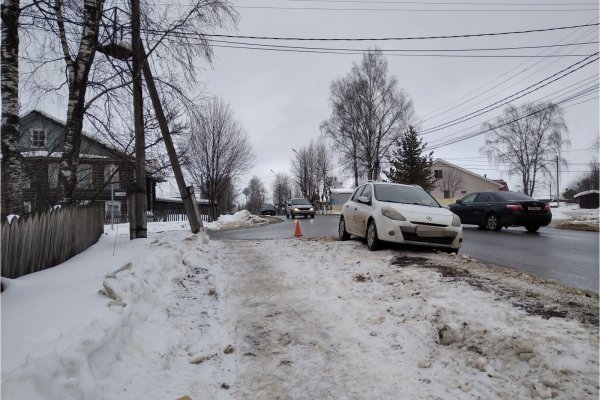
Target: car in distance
x,y
494,210
397,213
267,209
299,206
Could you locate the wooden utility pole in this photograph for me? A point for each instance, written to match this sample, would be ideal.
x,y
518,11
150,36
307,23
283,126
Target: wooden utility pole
x,y
187,194
137,224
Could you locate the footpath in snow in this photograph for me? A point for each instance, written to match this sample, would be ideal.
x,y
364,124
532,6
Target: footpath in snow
x,y
290,319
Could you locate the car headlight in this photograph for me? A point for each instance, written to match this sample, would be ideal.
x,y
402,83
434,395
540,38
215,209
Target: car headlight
x,y
311,209
456,221
295,209
392,214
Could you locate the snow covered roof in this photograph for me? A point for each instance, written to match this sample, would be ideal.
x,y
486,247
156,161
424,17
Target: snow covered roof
x,y
179,201
586,192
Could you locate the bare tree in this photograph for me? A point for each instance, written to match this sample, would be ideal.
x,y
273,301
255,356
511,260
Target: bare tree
x,y
219,151
450,183
369,113
100,87
256,196
281,189
527,140
11,193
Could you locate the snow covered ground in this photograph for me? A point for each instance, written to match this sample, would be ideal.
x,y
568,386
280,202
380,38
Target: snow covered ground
x,y
570,216
290,319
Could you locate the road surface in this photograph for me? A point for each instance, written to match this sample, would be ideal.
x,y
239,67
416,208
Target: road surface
x,y
569,257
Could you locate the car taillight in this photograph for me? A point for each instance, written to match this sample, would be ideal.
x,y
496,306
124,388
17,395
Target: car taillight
x,y
547,207
514,207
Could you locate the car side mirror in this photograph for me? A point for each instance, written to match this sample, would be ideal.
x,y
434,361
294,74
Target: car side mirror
x,y
363,199
459,201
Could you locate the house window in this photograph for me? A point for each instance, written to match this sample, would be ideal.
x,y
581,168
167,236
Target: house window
x,y
437,174
38,138
111,175
52,175
84,176
446,194
27,207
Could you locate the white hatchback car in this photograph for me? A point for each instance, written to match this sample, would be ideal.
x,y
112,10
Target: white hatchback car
x,y
397,213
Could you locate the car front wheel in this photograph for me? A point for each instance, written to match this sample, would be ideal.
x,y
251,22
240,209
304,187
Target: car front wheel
x,y
492,223
342,233
372,239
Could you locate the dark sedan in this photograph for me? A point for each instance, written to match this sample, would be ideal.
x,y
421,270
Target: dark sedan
x,y
494,210
267,209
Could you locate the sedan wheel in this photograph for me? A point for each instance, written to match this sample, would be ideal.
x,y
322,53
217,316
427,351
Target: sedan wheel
x,y
342,233
492,223
532,228
372,240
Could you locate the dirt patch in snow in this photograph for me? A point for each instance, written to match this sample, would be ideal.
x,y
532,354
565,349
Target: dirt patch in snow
x,y
576,226
524,291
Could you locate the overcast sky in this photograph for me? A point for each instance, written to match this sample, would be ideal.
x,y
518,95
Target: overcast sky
x,y
282,97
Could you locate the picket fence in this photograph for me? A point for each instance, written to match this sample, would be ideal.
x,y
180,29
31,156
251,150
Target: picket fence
x,y
43,240
157,216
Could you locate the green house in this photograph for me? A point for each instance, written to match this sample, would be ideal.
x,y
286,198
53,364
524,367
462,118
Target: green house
x,y
104,173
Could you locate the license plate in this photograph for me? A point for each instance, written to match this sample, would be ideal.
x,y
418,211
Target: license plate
x,y
535,208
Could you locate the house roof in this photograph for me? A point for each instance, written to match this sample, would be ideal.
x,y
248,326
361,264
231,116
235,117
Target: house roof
x,y
107,146
466,171
585,193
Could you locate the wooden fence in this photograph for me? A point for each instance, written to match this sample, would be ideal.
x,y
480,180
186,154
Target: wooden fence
x,y
46,239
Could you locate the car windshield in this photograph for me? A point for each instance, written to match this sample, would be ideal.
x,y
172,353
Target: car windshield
x,y
404,195
267,206
511,196
300,202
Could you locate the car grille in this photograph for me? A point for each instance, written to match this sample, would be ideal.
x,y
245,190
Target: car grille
x,y
428,224
412,237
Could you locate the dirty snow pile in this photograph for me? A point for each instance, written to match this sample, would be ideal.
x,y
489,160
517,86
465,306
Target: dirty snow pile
x,y
573,216
177,314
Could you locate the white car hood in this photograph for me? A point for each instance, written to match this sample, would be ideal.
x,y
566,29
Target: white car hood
x,y
423,214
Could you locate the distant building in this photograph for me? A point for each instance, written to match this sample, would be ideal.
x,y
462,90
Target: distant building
x,y
463,181
338,198
504,187
588,199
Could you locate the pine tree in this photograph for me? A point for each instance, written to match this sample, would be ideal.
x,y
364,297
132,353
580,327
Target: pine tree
x,y
409,164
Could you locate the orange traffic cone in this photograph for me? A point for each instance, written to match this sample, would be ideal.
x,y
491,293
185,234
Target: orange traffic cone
x,y
298,231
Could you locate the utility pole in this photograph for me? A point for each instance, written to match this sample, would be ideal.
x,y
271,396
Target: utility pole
x,y
137,225
557,187
187,194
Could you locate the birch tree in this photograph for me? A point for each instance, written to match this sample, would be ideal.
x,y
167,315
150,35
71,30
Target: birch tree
x,y
12,194
527,141
369,113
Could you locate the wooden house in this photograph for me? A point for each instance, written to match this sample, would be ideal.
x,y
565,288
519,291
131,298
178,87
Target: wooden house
x,y
104,173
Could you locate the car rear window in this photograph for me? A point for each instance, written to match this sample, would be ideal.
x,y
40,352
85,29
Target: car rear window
x,y
512,196
404,195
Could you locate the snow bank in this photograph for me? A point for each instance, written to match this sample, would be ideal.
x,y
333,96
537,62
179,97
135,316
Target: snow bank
x,y
573,216
240,219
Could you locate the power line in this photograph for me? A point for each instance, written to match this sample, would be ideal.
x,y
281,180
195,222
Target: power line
x,y
500,103
474,134
400,38
404,50
437,112
417,9
443,3
566,90
396,54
